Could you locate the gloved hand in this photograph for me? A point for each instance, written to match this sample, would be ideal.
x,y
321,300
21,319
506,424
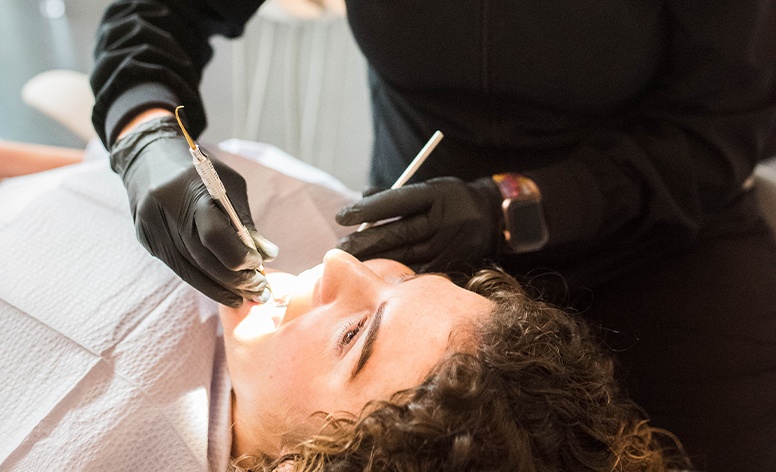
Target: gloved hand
x,y
178,221
443,220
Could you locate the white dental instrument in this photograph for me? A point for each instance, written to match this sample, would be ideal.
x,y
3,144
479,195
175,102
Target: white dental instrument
x,y
412,168
216,189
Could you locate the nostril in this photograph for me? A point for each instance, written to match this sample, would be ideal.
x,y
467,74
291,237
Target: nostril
x,y
344,276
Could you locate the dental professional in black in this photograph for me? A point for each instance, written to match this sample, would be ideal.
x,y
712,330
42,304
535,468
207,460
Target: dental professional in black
x,y
599,151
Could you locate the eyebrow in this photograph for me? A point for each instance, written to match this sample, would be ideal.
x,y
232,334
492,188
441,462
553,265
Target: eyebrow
x,y
369,341
422,274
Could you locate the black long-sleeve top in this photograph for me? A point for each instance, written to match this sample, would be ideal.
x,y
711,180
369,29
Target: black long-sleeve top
x,y
639,120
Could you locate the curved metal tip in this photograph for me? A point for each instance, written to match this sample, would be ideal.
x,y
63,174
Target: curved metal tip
x,y
191,142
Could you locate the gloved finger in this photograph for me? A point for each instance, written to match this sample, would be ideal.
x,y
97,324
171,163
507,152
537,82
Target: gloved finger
x,y
402,201
216,233
249,283
413,255
390,238
370,190
267,248
426,256
419,255
236,189
245,280
189,272
258,297
212,290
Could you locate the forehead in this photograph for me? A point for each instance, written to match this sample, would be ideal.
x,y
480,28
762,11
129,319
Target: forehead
x,y
435,304
432,317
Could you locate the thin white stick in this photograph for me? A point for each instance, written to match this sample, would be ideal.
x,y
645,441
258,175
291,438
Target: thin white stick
x,y
412,168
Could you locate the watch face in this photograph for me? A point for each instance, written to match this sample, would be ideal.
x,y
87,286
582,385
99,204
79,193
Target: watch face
x,y
527,228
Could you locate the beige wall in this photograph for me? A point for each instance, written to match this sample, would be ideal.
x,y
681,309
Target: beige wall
x,y
299,85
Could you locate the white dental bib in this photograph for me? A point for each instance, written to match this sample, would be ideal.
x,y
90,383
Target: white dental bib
x,y
108,361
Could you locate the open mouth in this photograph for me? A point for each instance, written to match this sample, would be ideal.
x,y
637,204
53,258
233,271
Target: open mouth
x,y
267,317
282,287
276,308
261,319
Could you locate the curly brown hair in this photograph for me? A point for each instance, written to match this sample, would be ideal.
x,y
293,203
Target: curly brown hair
x,y
535,394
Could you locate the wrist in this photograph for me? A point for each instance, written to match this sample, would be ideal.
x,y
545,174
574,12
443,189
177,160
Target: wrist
x,y
127,150
490,210
141,118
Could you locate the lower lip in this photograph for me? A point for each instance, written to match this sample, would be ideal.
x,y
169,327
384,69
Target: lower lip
x,y
261,319
267,317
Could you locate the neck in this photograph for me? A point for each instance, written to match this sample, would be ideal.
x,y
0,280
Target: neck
x,y
248,436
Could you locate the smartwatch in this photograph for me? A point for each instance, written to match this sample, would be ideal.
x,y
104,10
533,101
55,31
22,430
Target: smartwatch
x,y
525,229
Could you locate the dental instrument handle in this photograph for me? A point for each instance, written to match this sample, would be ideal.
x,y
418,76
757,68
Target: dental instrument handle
x,y
412,168
216,189
214,185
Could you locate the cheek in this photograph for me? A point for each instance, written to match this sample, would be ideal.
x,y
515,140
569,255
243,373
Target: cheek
x,y
297,367
380,384
231,317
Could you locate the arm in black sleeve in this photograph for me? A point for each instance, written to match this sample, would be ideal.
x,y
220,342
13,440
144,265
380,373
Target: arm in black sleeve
x,y
683,154
150,53
656,172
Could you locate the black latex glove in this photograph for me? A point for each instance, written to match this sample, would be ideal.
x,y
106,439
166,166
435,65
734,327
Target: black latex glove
x,y
443,221
178,221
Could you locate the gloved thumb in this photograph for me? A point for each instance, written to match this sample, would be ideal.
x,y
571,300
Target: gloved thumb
x,y
370,190
267,248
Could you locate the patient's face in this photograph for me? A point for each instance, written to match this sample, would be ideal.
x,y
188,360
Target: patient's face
x,y
352,332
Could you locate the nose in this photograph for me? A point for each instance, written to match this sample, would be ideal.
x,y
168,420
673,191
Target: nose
x,y
345,276
341,278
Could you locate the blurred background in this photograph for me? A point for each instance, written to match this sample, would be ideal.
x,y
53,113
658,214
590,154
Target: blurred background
x,y
295,79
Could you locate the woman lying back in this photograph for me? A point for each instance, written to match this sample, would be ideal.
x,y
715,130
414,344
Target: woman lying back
x,y
372,367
